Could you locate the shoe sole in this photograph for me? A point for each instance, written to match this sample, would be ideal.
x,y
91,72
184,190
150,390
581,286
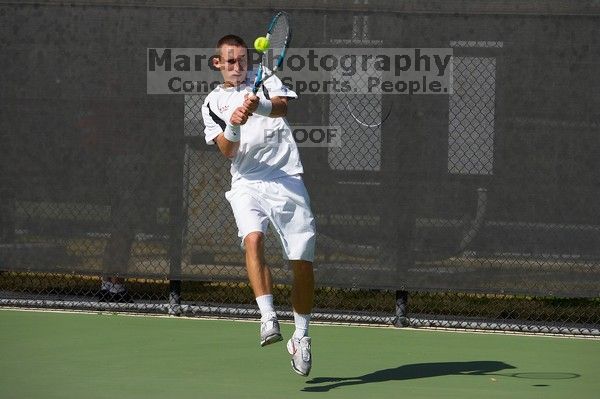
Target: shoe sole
x,y
271,339
298,371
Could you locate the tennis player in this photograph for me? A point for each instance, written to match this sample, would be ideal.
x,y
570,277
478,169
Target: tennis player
x,y
266,187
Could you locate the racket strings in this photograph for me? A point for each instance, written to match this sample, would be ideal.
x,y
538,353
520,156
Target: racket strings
x,y
279,35
279,38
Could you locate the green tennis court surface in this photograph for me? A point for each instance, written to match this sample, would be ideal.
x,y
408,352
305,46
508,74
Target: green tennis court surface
x,y
75,355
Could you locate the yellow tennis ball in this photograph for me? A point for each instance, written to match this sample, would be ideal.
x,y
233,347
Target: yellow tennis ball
x,y
261,44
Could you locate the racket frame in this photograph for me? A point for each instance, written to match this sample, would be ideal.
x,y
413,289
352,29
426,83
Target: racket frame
x,y
260,79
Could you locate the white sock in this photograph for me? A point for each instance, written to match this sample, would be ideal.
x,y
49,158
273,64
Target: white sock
x,y
265,304
301,322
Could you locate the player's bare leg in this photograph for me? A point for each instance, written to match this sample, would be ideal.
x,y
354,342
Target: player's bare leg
x,y
258,272
262,285
303,287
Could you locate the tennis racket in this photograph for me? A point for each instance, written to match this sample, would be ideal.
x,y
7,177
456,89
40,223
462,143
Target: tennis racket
x,y
279,35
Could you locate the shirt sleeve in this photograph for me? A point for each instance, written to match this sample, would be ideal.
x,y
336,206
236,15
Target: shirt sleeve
x,y
213,125
274,87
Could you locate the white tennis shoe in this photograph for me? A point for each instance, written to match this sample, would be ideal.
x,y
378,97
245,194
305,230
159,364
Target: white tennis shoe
x,y
270,332
301,356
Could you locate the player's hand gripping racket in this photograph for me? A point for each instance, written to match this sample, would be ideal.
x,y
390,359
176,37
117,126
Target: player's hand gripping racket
x,y
278,38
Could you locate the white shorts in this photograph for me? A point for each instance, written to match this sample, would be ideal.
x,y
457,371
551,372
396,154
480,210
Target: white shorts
x,y
285,203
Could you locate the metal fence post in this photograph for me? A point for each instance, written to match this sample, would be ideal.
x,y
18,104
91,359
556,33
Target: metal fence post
x,y
177,225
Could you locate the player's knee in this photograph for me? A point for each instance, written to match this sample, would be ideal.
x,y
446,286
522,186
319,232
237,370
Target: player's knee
x,y
254,241
302,267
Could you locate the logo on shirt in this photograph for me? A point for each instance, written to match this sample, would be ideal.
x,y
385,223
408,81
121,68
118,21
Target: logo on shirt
x,y
223,108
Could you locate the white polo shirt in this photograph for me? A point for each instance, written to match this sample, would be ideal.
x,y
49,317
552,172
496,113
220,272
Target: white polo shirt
x,y
258,157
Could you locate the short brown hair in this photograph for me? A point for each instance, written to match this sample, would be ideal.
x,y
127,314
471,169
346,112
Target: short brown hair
x,y
231,40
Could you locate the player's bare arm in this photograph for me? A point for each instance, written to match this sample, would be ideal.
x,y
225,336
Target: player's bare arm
x,y
279,107
227,147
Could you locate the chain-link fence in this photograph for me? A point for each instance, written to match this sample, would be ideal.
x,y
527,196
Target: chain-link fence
x,y
473,209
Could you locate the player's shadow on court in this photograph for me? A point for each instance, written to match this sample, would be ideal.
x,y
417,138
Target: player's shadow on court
x,y
409,372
